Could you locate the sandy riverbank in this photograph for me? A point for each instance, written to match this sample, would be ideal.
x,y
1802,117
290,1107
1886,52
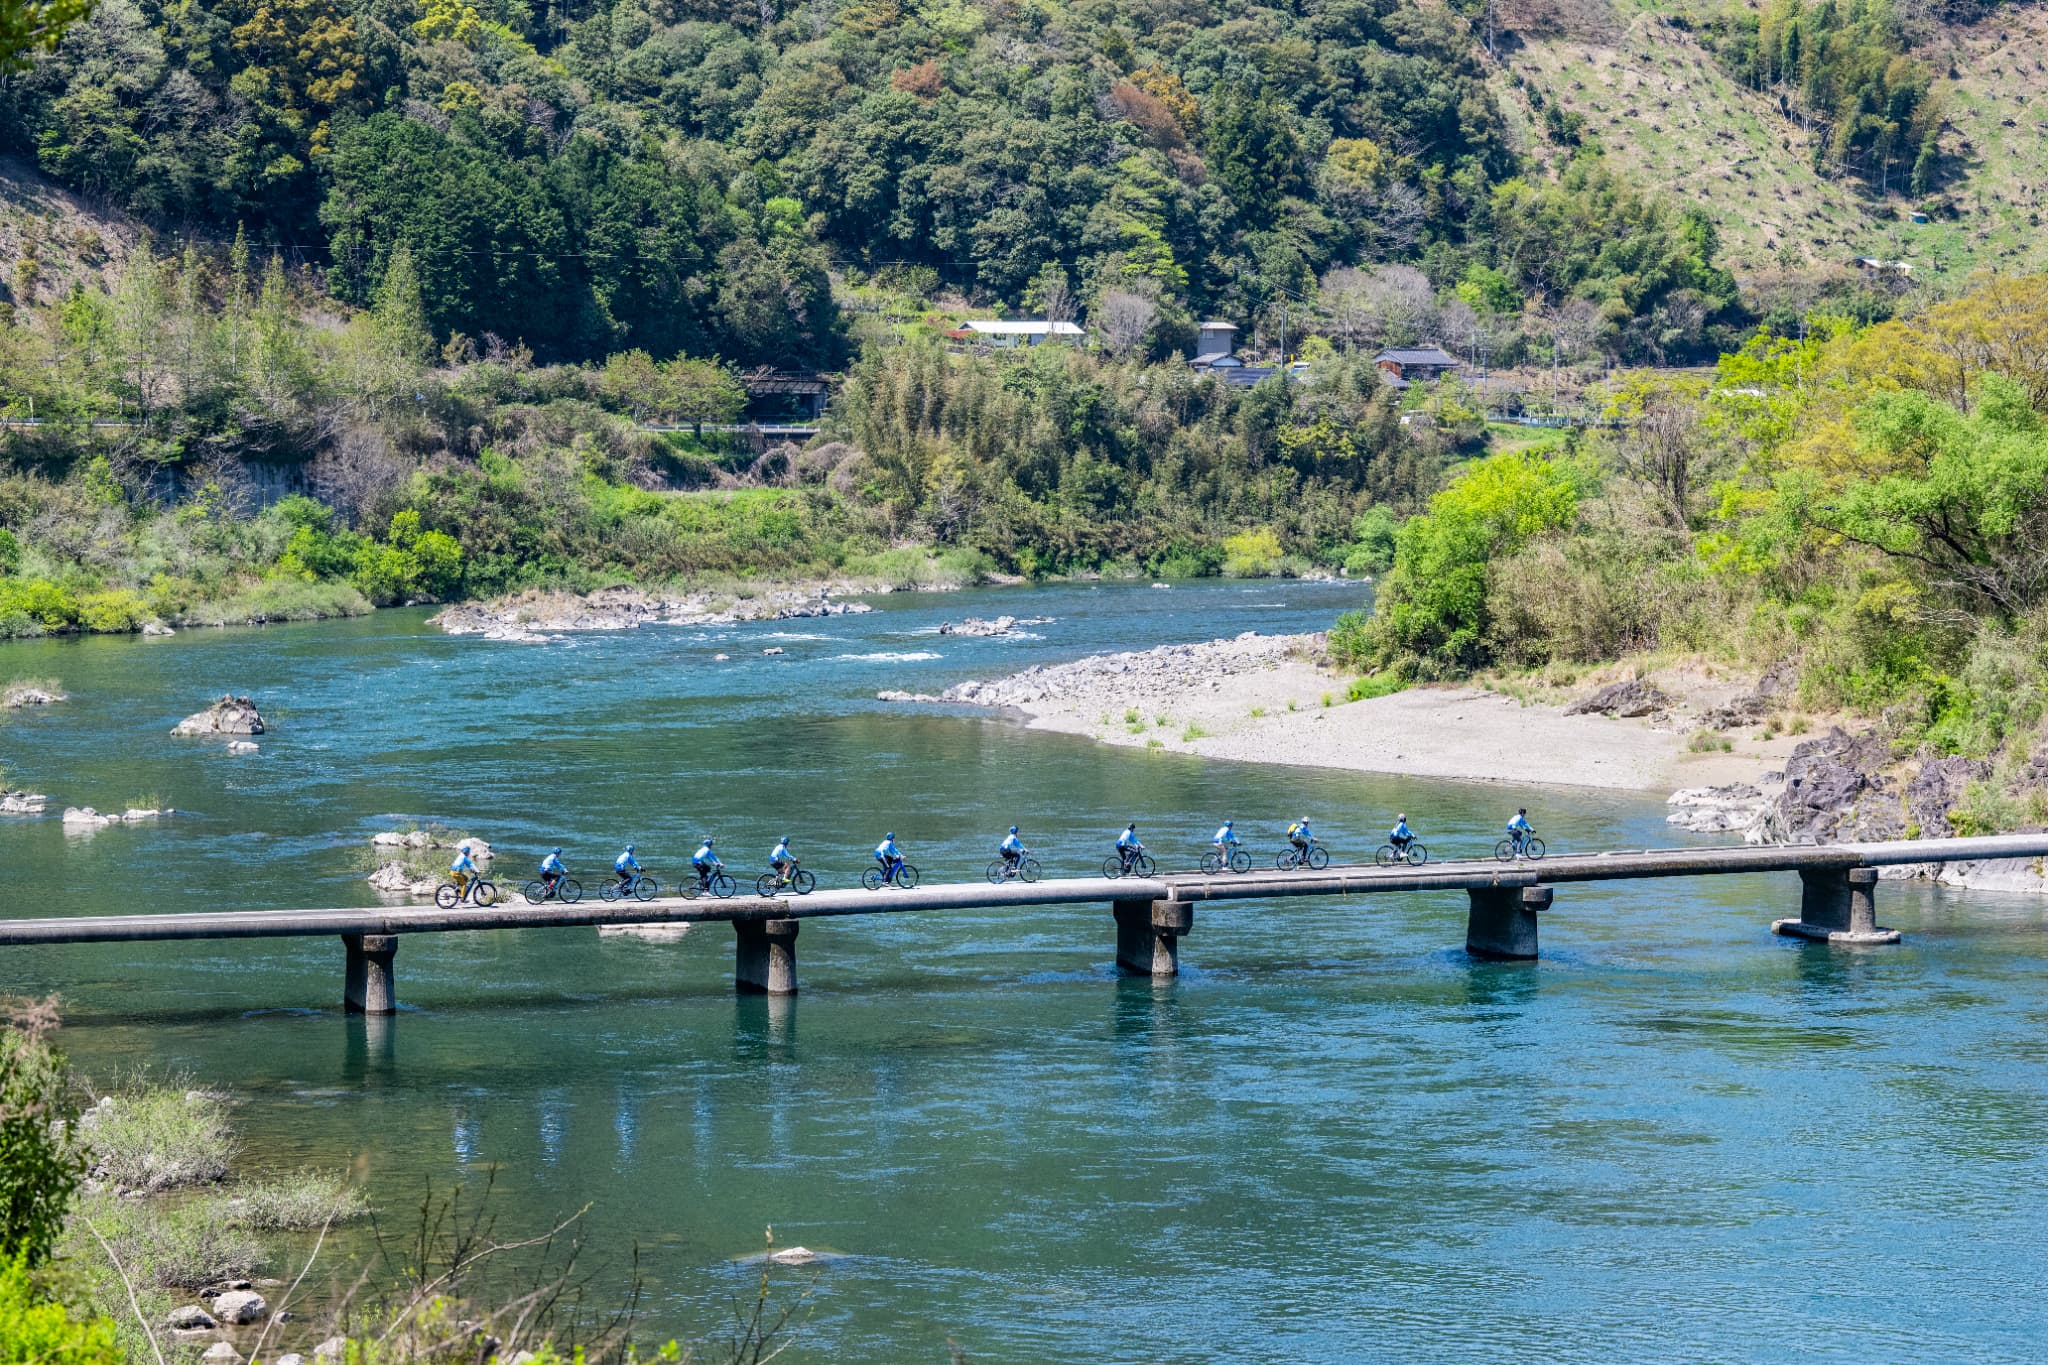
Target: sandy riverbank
x,y
1264,699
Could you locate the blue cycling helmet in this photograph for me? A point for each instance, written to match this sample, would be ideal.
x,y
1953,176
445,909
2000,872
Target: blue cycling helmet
x,y
1133,826
785,838
1013,829
709,841
556,851
889,835
629,848
1228,823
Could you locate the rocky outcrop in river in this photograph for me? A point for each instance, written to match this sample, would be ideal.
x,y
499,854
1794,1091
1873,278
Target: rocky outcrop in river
x,y
1002,625
534,616
231,715
23,803
1843,788
19,695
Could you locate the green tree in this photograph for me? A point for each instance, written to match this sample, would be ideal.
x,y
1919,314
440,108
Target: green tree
x,y
29,25
41,1157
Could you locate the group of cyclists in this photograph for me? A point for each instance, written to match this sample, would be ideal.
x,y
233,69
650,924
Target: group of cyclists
x,y
891,868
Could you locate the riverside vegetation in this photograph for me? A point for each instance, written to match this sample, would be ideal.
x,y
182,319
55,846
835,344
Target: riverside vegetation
x,y
1866,509
117,1208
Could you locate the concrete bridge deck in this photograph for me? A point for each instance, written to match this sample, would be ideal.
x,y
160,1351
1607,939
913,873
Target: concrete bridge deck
x,y
1837,905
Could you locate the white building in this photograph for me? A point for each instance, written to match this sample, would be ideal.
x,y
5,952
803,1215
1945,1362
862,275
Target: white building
x,y
1018,333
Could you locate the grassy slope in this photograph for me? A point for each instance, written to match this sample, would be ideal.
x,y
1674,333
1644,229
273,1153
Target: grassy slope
x,y
1665,108
70,242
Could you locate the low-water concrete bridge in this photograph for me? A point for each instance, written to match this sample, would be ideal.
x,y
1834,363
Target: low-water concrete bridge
x,y
1505,902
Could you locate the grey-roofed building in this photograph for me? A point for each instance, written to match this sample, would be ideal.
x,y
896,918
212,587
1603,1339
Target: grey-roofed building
x,y
1401,366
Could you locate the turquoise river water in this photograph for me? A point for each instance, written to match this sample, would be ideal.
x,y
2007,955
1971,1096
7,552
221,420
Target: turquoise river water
x,y
1334,1137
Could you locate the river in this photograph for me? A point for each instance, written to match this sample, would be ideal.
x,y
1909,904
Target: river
x,y
1333,1137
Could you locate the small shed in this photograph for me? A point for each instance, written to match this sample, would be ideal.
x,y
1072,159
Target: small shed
x,y
1401,366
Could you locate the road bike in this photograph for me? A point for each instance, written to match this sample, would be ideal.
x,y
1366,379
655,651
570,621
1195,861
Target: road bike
x,y
772,883
566,890
478,893
1140,865
900,875
1240,861
1519,846
1289,858
1000,870
641,887
1388,855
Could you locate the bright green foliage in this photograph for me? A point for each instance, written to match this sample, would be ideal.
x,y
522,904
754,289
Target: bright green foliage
x,y
41,1158
411,564
1434,607
1372,548
1251,554
1966,497
38,1333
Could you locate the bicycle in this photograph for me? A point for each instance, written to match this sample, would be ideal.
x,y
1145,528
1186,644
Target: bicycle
x,y
1140,865
642,887
1388,855
1519,845
566,890
900,875
771,883
1240,861
1000,870
719,884
479,893
1317,858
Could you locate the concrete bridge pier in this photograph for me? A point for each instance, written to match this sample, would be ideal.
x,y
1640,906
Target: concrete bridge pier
x,y
1501,924
1837,905
369,976
764,958
1148,935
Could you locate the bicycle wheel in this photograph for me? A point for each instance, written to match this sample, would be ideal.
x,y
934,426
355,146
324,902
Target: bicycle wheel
x,y
1318,857
1283,860
722,885
1112,868
767,884
1417,854
1385,856
608,892
1028,869
1143,865
534,892
1240,861
445,896
1212,862
569,891
997,871
688,890
871,878
1505,850
1536,847
804,882
906,877
647,888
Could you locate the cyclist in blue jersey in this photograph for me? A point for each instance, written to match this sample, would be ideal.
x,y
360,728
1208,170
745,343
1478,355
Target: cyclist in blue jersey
x,y
1012,850
627,866
889,856
1127,846
706,862
552,869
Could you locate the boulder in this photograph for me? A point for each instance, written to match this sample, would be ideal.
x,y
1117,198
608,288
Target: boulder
x,y
27,694
1937,789
334,1348
294,1358
1625,699
157,629
191,1318
224,1353
721,658
1715,810
773,649
85,817
230,715
394,877
23,803
1830,786
238,1306
241,746
478,849
794,1256
890,694
135,815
